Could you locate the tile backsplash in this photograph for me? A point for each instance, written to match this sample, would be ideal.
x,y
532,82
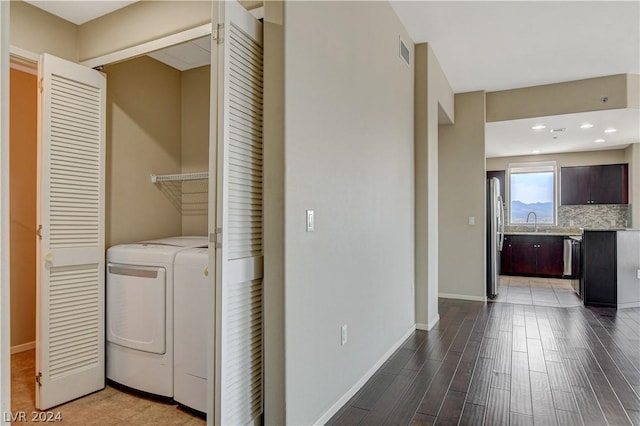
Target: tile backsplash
x,y
599,216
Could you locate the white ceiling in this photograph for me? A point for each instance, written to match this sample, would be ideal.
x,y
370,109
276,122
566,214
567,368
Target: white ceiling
x,y
184,56
516,137
498,45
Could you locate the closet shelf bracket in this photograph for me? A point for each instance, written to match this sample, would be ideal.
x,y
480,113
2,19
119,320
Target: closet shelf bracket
x,y
179,177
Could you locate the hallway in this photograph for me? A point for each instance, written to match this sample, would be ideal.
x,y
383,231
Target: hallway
x,y
509,364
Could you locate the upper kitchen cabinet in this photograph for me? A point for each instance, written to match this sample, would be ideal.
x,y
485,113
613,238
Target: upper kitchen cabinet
x,y
605,184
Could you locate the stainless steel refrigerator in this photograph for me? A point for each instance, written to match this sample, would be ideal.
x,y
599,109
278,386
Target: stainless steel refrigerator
x,y
495,235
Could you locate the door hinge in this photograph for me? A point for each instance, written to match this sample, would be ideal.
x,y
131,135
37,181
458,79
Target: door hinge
x,y
39,232
40,85
38,379
216,238
218,34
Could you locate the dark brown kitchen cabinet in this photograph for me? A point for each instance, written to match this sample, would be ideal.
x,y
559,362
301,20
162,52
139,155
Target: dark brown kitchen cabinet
x,y
532,255
505,256
599,266
604,184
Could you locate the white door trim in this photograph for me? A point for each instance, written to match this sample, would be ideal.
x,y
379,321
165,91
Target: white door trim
x,y
150,46
5,330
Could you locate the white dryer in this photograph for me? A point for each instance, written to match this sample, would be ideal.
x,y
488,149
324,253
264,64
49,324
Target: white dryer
x,y
139,313
193,295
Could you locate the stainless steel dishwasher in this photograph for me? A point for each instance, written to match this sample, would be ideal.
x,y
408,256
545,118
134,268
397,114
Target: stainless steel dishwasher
x,y
571,260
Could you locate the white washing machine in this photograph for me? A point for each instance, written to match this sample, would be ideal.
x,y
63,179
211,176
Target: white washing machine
x,y
192,309
139,313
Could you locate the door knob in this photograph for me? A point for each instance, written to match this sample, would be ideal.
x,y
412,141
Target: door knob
x,y
206,271
48,257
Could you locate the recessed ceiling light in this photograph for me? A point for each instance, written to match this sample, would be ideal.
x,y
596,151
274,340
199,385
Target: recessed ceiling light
x,y
539,127
557,129
599,141
610,130
536,151
586,126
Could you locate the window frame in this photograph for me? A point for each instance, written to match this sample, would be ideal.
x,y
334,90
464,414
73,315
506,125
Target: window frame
x,y
532,167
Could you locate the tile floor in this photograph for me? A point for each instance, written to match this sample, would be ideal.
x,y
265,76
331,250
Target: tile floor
x,y
553,292
109,406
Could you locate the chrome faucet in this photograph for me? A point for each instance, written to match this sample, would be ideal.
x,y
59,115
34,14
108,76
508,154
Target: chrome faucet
x,y
535,216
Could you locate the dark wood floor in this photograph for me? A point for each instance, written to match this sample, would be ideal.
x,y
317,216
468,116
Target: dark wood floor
x,y
508,364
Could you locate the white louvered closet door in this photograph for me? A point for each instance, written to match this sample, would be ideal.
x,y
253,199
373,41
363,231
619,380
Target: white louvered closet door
x,y
239,292
71,181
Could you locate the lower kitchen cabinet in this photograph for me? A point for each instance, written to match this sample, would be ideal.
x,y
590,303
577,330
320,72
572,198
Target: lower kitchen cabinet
x,y
532,255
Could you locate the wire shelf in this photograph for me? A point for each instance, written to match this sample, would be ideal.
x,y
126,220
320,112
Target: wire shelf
x,y
179,177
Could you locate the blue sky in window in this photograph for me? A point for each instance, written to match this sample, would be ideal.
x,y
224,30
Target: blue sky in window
x,y
532,187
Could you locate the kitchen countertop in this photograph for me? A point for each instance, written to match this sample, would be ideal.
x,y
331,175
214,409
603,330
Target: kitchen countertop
x,y
555,231
549,233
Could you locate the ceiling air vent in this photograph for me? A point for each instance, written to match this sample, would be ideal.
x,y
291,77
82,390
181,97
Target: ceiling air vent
x,y
404,52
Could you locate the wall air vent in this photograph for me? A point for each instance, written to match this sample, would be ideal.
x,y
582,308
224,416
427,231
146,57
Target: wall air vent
x,y
404,52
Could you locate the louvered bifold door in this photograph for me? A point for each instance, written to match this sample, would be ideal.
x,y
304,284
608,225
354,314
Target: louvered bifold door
x,y
71,181
239,281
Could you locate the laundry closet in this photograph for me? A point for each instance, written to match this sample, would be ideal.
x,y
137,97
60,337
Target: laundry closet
x,y
151,179
156,174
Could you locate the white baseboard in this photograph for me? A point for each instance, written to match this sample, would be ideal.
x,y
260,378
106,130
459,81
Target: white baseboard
x,y
629,305
462,297
427,327
360,383
23,347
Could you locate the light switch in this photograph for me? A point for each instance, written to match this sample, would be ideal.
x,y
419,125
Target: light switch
x,y
310,221
472,220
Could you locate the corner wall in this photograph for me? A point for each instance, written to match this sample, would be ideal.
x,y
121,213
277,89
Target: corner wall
x,y
23,169
195,148
433,96
37,31
462,195
143,137
349,156
633,158
274,215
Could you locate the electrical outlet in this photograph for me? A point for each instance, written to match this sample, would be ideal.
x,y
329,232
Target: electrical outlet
x,y
638,274
343,335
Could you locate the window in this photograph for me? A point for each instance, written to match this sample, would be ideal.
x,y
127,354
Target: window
x,y
532,188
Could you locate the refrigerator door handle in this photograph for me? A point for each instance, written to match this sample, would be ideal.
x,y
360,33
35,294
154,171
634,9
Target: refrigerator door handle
x,y
500,223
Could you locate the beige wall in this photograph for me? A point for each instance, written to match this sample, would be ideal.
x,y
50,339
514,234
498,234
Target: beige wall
x,y
349,156
462,195
139,23
274,169
23,160
433,97
586,158
633,158
143,137
633,90
195,148
559,98
37,31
